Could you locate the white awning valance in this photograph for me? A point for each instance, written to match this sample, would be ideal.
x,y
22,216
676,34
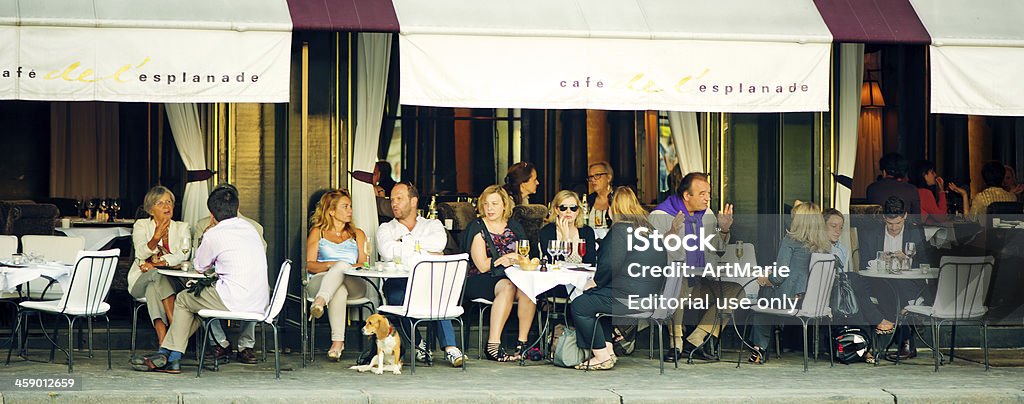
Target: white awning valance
x,y
976,55
690,55
145,50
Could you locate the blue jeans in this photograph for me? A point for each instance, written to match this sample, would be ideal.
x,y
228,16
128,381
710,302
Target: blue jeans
x,y
394,292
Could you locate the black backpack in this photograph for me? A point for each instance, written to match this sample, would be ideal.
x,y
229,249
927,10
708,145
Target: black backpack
x,y
850,345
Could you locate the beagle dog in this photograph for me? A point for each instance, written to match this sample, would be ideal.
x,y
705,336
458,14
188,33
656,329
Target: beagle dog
x,y
389,346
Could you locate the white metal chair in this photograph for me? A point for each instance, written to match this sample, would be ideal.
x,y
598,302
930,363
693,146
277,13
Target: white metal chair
x,y
268,317
962,290
50,248
88,288
434,292
814,305
659,316
309,336
139,303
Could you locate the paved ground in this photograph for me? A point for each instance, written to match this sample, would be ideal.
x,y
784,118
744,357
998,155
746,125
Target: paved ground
x,y
634,379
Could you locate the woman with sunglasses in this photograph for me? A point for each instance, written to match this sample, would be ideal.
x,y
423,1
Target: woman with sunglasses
x,y
565,223
599,176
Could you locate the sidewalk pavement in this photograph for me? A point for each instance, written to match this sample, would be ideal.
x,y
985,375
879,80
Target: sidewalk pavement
x,y
634,379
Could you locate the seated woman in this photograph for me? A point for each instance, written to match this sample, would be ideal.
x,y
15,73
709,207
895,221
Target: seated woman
x,y
565,223
932,190
521,182
806,235
613,281
159,241
334,244
491,242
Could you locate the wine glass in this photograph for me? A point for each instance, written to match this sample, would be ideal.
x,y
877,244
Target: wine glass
x,y
186,248
524,248
910,249
739,249
599,220
566,249
90,209
581,247
553,250
115,206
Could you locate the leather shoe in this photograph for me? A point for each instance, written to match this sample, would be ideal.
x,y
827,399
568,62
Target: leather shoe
x,y
247,356
672,355
221,354
700,353
904,353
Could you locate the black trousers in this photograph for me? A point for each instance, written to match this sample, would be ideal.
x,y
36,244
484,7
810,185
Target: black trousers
x,y
584,315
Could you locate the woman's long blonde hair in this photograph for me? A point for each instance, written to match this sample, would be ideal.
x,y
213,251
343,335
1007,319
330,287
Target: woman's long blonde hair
x,y
808,227
322,216
626,208
560,197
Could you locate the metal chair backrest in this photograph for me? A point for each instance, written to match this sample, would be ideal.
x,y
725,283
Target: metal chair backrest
x,y
673,285
435,287
90,281
819,287
8,246
963,287
280,291
53,248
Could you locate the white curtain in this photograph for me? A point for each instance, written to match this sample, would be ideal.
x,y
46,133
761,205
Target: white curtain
x,y
686,138
851,78
373,61
188,136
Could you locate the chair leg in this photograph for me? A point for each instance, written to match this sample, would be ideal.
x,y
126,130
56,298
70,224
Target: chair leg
x,y
935,342
201,349
952,343
263,333
661,347
56,330
89,322
277,351
831,357
412,345
984,341
462,330
650,339
135,323
14,331
480,333
312,340
804,323
71,343
109,359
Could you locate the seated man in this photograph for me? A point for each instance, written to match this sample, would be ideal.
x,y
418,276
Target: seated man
x,y
400,237
891,238
247,334
233,249
993,173
686,213
894,183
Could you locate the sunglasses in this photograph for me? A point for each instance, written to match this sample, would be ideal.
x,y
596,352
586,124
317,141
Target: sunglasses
x,y
564,208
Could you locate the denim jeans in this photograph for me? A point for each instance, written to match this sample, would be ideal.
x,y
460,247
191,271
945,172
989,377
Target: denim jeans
x,y
394,292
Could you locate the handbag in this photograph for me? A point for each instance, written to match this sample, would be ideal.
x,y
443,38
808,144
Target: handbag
x,y
566,353
844,299
497,271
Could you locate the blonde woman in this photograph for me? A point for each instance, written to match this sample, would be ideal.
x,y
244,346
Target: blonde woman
x,y
806,235
334,244
159,241
490,256
614,281
565,223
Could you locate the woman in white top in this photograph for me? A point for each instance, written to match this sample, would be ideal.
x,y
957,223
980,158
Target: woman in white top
x,y
159,241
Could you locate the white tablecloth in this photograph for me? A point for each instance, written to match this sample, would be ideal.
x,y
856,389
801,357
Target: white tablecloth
x,y
96,237
10,278
533,283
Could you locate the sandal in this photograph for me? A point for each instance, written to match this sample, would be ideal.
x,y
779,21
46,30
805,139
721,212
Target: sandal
x,y
869,358
520,349
495,353
334,356
607,364
757,356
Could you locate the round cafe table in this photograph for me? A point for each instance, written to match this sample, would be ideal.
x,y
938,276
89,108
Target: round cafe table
x,y
907,274
373,273
534,283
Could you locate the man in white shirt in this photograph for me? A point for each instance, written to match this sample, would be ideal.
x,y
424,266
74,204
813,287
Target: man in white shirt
x,y
233,249
401,237
247,334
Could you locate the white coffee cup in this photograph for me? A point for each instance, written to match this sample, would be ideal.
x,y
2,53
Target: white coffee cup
x,y
65,223
996,221
448,224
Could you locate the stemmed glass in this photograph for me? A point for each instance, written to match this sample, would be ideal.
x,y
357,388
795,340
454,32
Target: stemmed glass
x,y
566,249
739,249
90,209
554,249
115,206
186,248
910,249
524,248
581,247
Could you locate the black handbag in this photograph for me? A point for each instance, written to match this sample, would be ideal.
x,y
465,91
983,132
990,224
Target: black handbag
x,y
844,299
